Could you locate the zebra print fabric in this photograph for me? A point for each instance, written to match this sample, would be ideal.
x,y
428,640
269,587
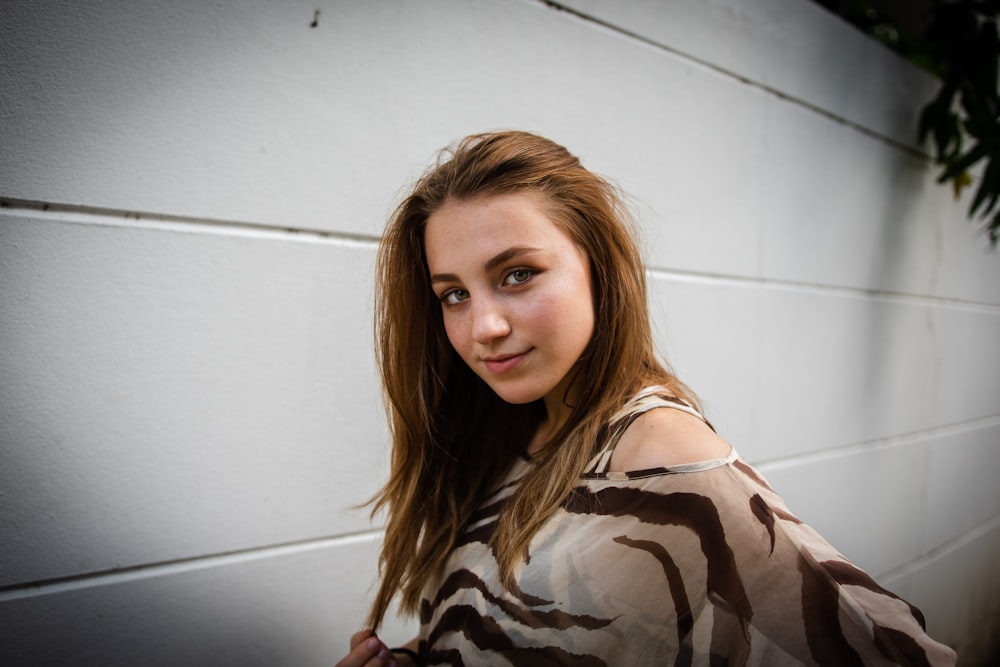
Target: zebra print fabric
x,y
692,565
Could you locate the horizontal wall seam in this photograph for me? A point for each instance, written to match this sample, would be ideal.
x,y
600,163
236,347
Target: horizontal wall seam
x,y
942,550
771,90
877,444
108,217
181,565
820,289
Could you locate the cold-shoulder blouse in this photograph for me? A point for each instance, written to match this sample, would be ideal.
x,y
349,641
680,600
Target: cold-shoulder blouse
x,y
693,564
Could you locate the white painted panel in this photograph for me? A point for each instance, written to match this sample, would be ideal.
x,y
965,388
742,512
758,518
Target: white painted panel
x,y
962,489
709,332
846,369
868,504
965,266
169,393
966,373
246,113
787,371
317,140
792,46
843,208
826,203
295,608
886,507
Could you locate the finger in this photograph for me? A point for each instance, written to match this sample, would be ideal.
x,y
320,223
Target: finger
x,y
359,637
382,656
367,651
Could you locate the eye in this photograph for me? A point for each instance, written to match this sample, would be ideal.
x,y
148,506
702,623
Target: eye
x,y
518,277
454,297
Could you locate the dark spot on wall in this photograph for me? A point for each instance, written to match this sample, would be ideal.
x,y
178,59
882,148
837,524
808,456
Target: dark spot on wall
x,y
315,21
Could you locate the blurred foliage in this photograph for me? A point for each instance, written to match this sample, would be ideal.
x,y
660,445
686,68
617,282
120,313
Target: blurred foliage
x,y
890,30
963,37
958,42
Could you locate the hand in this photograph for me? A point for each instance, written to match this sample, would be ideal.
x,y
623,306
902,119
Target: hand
x,y
367,650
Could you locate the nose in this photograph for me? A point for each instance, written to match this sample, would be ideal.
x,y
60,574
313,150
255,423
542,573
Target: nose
x,y
489,321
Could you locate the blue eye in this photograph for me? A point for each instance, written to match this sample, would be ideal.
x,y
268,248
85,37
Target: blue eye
x,y
518,277
454,297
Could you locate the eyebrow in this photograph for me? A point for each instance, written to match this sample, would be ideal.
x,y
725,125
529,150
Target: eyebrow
x,y
490,264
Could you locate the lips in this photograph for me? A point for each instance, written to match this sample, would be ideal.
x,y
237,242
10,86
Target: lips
x,y
502,363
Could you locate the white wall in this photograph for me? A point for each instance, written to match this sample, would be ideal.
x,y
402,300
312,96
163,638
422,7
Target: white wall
x,y
192,198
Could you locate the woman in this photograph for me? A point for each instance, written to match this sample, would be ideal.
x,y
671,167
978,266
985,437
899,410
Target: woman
x,y
555,497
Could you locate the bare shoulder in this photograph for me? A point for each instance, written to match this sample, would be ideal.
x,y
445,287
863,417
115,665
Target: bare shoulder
x,y
665,437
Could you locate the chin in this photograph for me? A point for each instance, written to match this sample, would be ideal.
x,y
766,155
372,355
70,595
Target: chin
x,y
516,395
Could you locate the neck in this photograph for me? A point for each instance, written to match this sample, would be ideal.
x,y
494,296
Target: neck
x,y
556,414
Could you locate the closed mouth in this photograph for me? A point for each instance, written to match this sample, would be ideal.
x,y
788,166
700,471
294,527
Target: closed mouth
x,y
502,363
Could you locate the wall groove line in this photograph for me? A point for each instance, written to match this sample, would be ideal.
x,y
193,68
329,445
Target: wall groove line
x,y
771,90
942,550
109,217
165,568
820,289
868,446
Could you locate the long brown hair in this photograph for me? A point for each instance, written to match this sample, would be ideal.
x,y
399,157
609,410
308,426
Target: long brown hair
x,y
452,437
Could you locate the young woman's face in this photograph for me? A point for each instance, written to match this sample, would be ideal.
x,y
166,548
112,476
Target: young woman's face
x,y
515,293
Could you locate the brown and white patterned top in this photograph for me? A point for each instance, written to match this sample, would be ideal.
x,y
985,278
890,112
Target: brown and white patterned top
x,y
691,565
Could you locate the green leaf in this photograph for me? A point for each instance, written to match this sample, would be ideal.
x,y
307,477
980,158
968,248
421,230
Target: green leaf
x,y
959,183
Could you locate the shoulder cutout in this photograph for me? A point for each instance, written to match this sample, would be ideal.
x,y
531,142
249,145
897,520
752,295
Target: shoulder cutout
x,y
664,437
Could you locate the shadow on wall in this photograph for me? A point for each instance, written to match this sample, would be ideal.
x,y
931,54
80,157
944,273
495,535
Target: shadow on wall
x,y
897,355
246,615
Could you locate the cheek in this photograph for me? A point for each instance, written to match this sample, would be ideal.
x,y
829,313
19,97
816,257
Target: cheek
x,y
575,307
453,330
586,327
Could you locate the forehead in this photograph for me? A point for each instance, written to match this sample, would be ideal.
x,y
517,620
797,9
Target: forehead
x,y
472,229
